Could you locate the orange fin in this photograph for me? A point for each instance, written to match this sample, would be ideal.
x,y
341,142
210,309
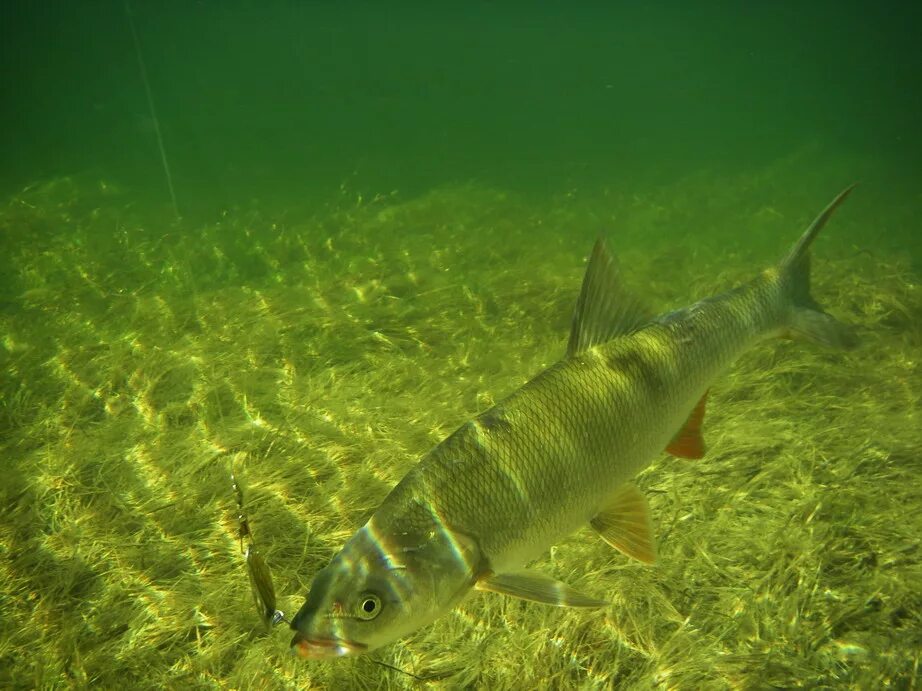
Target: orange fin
x,y
688,443
625,524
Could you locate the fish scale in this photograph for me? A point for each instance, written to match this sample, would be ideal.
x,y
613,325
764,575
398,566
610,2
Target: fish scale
x,y
570,437
555,455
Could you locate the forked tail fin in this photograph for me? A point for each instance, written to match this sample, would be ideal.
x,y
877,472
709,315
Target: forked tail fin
x,y
807,318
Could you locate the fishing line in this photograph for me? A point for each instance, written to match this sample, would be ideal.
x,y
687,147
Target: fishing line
x,y
402,671
150,105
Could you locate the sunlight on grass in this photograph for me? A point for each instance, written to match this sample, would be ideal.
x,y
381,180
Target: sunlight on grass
x,y
321,358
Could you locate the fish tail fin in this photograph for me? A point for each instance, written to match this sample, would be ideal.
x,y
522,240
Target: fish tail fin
x,y
806,318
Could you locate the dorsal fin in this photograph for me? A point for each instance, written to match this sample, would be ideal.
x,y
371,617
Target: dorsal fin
x,y
604,309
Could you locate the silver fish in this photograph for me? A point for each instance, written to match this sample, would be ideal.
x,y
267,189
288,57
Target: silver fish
x,y
557,454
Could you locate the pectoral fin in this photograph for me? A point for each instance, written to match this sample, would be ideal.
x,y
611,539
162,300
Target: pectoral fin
x,y
537,588
625,524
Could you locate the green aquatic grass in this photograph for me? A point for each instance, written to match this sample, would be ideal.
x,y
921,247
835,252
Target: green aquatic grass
x,y
321,358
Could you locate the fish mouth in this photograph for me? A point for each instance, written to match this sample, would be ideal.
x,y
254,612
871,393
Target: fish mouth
x,y
314,648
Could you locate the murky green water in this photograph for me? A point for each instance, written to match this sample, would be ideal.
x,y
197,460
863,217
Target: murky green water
x,y
384,219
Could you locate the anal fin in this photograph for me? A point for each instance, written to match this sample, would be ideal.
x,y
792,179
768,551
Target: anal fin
x,y
625,524
689,443
537,587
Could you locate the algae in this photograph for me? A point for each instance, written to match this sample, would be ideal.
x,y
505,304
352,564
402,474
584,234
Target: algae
x,y
143,360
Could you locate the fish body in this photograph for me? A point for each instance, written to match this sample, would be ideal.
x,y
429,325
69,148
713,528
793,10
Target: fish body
x,y
556,454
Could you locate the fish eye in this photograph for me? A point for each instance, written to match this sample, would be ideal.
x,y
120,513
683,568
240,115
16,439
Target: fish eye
x,y
369,606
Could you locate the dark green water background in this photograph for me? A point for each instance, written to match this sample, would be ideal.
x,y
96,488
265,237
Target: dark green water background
x,y
287,101
318,341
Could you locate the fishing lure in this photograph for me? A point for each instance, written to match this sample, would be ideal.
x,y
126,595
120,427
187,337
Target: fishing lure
x,y
261,578
258,571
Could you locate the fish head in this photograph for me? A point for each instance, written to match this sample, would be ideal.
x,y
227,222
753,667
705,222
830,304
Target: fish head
x,y
378,590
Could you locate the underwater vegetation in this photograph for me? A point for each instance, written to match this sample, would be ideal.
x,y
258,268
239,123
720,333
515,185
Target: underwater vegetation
x,y
317,358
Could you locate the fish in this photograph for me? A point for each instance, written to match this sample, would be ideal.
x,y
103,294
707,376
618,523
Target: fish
x,y
557,454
